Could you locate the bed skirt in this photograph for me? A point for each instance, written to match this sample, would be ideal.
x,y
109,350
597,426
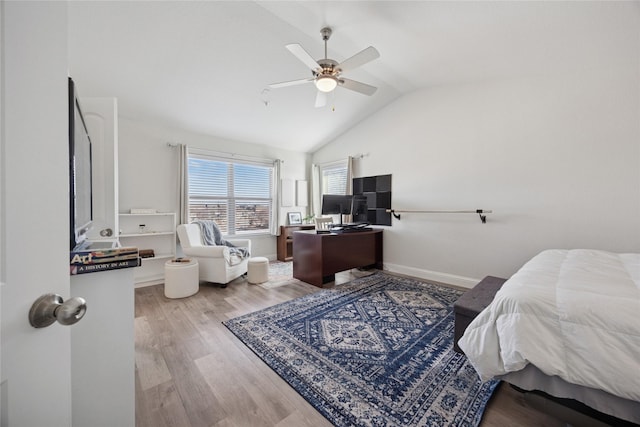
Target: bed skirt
x,y
531,378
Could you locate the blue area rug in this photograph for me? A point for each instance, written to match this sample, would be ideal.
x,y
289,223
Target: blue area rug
x,y
374,352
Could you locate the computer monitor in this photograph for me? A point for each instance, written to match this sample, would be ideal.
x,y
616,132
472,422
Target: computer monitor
x,y
359,209
337,204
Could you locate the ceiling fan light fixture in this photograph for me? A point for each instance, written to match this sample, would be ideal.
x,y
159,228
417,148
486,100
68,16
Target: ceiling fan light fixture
x,y
326,83
327,73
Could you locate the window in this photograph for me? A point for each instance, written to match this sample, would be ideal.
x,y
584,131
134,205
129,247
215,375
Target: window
x,y
334,178
236,195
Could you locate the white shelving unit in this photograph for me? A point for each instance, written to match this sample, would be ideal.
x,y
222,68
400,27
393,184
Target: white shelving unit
x,y
150,231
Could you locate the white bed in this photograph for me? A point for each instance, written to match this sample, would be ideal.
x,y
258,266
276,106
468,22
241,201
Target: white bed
x,y
567,323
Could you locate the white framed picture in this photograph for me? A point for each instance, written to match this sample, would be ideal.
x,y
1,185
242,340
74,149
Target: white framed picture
x,y
295,218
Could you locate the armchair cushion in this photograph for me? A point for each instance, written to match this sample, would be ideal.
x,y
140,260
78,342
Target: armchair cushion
x,y
206,251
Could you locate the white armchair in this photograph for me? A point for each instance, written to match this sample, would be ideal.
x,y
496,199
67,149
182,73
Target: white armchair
x,y
215,263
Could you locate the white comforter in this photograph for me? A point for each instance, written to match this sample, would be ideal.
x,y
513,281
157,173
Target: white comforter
x,y
571,313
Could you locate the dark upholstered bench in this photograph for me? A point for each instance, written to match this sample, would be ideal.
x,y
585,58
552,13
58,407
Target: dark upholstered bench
x,y
471,303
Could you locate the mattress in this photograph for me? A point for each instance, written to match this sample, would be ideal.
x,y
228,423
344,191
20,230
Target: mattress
x,y
572,314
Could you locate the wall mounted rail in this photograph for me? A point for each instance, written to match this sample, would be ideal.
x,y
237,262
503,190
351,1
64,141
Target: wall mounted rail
x,y
396,213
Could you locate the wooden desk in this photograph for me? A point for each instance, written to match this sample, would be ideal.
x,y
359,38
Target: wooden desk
x,y
285,240
318,257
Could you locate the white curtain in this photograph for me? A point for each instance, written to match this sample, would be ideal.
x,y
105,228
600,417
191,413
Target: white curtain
x,y
183,184
349,188
349,175
315,206
275,200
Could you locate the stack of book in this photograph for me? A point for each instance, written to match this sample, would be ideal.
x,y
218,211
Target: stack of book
x,y
147,253
91,261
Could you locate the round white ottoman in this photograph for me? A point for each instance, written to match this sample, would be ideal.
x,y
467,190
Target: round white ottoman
x,y
258,270
181,278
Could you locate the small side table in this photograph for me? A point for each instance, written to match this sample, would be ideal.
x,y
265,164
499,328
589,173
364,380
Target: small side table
x,y
258,270
181,278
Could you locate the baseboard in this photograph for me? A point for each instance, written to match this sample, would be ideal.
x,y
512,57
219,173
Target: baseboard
x,y
451,279
146,283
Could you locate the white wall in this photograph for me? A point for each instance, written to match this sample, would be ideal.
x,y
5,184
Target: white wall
x,y
148,169
556,155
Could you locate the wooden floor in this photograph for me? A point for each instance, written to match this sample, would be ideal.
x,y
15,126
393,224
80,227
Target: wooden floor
x,y
191,371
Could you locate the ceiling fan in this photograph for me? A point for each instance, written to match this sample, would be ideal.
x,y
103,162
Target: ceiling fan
x,y
327,73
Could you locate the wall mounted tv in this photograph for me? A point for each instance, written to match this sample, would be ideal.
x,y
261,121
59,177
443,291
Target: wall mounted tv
x,y
80,169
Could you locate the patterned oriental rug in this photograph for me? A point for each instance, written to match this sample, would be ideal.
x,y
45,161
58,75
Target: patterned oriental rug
x,y
280,274
374,352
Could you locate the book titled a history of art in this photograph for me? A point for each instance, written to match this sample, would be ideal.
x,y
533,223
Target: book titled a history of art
x,y
103,266
101,256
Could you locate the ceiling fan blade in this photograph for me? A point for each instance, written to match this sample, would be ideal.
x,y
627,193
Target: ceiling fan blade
x,y
303,56
291,83
360,58
321,99
358,86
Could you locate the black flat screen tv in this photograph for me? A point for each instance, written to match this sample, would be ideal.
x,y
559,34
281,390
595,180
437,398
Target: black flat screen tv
x,y
360,209
80,170
336,204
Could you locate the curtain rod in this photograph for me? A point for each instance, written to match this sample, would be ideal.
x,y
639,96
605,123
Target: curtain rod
x,y
354,156
224,154
483,218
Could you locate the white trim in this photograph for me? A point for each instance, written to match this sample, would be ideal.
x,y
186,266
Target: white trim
x,y
199,152
451,279
333,164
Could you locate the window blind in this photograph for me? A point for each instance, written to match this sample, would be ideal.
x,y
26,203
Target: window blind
x,y
334,178
237,195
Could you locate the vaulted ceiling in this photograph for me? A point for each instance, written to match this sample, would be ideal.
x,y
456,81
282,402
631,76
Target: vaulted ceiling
x,y
205,66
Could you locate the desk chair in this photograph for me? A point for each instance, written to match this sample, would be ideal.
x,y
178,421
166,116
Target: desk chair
x,y
323,223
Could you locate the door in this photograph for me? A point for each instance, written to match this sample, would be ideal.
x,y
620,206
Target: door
x,y
34,363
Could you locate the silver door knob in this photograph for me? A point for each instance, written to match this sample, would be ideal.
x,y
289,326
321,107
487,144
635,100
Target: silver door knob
x,y
51,307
